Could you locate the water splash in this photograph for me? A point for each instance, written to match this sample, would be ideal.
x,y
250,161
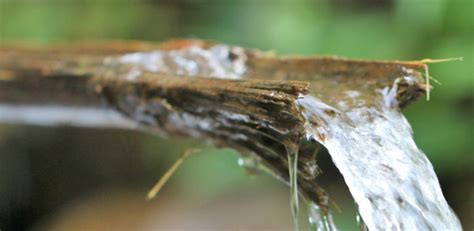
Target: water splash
x,y
391,180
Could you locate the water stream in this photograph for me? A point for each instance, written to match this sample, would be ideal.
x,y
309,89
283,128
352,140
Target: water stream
x,y
319,220
294,197
360,223
390,178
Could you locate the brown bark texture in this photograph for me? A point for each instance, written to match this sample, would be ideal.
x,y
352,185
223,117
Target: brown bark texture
x,y
253,111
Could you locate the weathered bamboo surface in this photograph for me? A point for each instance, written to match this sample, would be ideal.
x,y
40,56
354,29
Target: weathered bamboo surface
x,y
250,107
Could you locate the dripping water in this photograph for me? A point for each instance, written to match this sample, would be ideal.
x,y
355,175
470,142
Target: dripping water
x,y
253,165
314,216
293,173
319,220
250,164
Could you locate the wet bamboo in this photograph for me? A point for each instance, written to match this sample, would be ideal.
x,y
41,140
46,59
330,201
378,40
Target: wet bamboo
x,y
256,115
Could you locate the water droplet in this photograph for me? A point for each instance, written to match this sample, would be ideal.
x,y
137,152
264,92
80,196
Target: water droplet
x,y
250,164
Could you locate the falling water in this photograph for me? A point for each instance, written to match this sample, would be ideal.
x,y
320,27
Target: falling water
x,y
360,223
314,215
391,180
293,173
319,220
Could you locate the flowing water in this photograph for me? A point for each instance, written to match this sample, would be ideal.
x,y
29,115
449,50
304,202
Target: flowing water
x,y
319,220
294,197
360,223
391,180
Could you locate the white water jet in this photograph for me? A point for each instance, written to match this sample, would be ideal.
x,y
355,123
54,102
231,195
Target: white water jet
x,y
391,180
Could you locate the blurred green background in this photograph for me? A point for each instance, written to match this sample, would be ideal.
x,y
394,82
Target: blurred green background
x,y
52,176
